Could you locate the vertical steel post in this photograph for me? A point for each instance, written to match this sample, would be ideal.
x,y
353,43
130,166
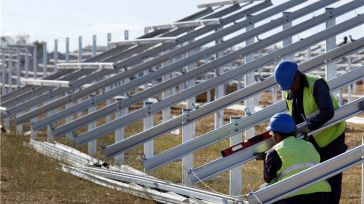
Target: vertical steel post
x,y
10,78
69,118
7,123
67,54
119,134
35,61
19,127
126,35
108,41
91,146
50,137
80,52
235,174
55,55
107,88
220,90
79,49
330,45
350,87
34,133
93,45
18,69
287,41
191,82
188,133
3,73
26,62
249,79
148,123
45,60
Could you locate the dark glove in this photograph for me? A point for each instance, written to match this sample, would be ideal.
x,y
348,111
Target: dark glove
x,y
304,131
260,155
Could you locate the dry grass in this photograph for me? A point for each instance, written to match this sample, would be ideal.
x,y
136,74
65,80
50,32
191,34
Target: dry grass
x,y
30,177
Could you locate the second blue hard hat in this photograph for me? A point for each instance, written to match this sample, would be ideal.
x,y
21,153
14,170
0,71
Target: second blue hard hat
x,y
285,73
282,123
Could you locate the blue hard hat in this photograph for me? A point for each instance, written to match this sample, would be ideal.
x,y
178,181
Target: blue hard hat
x,y
285,73
282,123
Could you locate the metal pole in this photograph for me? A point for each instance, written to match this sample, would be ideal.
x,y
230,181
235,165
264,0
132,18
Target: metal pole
x,y
3,73
35,61
287,25
126,35
350,87
93,45
119,134
34,133
249,79
26,62
19,127
45,60
108,41
330,45
55,56
188,133
50,137
69,93
67,54
91,146
18,68
10,77
220,90
236,176
79,49
148,123
79,61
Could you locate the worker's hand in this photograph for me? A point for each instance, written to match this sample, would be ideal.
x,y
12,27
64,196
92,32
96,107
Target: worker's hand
x,y
260,155
304,131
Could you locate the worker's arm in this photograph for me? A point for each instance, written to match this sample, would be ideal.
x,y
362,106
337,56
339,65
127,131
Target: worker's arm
x,y
272,164
321,93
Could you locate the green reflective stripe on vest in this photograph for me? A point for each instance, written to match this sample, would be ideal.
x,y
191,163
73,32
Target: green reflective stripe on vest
x,y
329,134
293,152
295,167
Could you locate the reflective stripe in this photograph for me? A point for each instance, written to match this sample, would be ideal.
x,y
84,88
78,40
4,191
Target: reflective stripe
x,y
296,167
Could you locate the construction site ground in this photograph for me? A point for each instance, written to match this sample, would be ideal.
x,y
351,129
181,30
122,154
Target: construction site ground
x,y
29,177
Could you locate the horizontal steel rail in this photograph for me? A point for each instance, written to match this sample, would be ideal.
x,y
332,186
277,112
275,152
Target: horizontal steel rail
x,y
228,130
320,172
225,163
185,24
136,82
227,100
223,3
146,41
89,65
202,69
120,76
49,83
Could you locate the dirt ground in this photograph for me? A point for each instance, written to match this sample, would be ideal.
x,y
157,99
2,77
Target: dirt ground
x,y
30,177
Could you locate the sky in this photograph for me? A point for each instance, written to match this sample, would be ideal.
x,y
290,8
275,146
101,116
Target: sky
x,y
46,20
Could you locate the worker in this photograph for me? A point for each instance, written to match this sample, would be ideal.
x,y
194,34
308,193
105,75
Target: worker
x,y
290,156
309,100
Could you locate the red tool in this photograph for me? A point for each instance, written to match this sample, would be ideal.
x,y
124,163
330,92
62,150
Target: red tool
x,y
247,143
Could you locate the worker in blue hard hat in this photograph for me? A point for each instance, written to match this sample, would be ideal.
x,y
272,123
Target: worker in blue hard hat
x,y
308,99
290,156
